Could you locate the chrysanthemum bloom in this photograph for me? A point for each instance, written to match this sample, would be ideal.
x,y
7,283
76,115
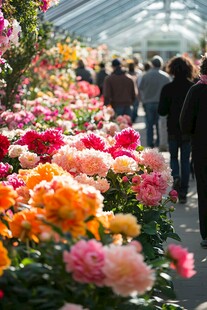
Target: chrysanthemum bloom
x,y
94,162
69,306
126,271
86,260
100,184
124,164
125,224
7,197
4,259
4,146
128,138
16,150
42,172
26,224
182,260
152,159
28,160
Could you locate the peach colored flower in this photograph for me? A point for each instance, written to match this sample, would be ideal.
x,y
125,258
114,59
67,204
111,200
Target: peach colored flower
x,y
4,259
154,160
66,157
93,162
124,164
28,160
100,184
86,260
126,271
125,224
7,197
182,260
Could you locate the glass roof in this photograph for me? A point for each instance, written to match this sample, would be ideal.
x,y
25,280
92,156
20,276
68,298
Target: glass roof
x,y
121,23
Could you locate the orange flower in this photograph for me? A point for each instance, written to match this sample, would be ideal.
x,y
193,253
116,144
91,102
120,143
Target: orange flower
x,y
42,172
27,225
7,197
4,231
4,259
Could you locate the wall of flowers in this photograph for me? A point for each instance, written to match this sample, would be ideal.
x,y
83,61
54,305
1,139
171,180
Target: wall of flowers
x,y
85,209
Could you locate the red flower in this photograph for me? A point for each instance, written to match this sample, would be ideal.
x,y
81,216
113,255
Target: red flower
x,y
128,138
1,294
92,141
4,145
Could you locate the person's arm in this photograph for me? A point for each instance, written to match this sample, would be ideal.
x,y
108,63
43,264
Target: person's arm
x,y
164,103
188,113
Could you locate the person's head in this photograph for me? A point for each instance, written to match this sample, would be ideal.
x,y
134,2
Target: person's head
x,y
102,65
81,63
157,61
147,66
116,63
180,66
131,67
203,66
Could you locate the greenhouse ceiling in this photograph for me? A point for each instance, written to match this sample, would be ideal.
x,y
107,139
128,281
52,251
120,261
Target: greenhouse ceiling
x,y
123,23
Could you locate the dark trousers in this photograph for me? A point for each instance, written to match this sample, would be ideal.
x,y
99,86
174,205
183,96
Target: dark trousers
x,y
200,169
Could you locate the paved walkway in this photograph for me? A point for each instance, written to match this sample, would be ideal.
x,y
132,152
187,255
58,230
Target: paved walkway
x,y
191,293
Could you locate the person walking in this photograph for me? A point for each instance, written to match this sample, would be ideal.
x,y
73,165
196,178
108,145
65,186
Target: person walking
x,y
134,76
118,90
82,73
171,101
100,77
150,87
193,123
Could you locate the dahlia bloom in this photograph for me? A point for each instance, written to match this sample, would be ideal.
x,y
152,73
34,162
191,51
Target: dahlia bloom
x,y
125,224
128,138
182,260
4,259
125,270
86,260
124,164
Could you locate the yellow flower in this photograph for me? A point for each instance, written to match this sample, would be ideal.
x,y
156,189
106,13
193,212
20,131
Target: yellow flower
x,y
4,259
125,224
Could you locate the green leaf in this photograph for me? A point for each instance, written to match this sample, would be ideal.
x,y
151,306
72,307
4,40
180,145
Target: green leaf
x,y
173,236
27,261
150,228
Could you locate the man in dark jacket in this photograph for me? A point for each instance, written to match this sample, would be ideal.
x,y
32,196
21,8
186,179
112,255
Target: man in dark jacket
x,y
119,90
100,77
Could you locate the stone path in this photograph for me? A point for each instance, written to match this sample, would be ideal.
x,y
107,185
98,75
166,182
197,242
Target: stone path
x,y
191,293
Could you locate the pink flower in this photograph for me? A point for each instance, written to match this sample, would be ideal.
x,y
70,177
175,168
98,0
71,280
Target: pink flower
x,y
69,306
124,164
154,160
5,170
4,145
182,260
173,195
14,181
128,138
100,184
85,261
126,271
28,160
94,141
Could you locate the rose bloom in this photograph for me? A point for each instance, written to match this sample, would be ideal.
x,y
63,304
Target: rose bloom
x,y
126,271
86,260
4,259
7,197
69,306
125,224
124,164
182,260
16,150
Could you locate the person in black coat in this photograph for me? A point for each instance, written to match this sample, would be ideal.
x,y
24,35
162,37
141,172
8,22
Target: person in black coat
x,y
171,101
193,122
